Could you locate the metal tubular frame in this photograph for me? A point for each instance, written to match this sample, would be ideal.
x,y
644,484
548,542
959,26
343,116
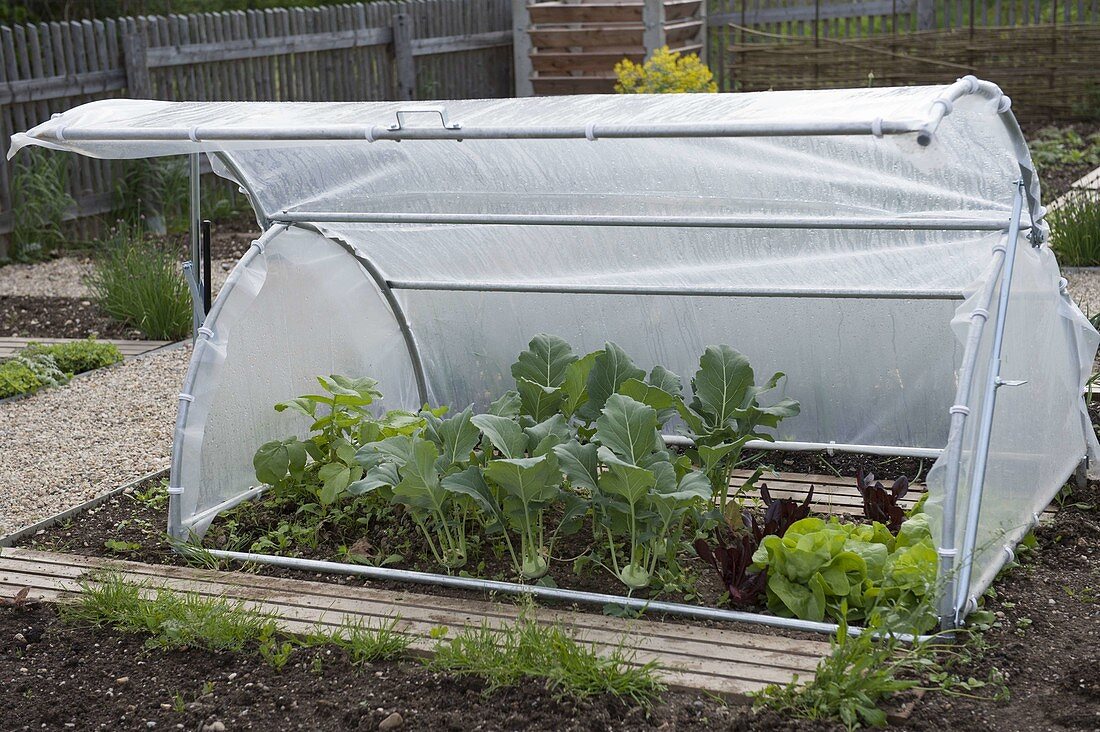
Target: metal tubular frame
x,y
985,428
925,131
195,181
829,447
898,223
539,591
563,289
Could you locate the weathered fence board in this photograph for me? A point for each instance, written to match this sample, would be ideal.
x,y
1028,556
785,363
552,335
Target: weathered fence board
x,y
453,48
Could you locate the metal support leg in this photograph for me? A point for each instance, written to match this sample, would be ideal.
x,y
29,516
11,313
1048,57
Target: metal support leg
x,y
985,428
196,237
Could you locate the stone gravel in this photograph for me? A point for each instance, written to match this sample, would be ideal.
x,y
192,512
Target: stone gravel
x,y
64,277
1084,287
61,447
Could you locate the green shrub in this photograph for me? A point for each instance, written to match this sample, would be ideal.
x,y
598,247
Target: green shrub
x,y
1075,229
26,374
40,201
1059,146
78,356
138,282
664,72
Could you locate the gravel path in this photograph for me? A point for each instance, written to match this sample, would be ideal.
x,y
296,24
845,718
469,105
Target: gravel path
x,y
64,277
63,446
1084,286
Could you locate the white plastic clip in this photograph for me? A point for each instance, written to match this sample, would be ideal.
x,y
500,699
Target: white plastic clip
x,y
55,115
948,106
944,552
60,133
590,132
1011,555
959,409
175,490
1004,104
369,134
204,331
186,398
1063,285
259,245
193,134
999,248
980,313
1034,519
972,81
876,127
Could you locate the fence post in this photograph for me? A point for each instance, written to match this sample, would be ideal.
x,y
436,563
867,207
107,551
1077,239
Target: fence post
x,y
521,49
704,31
926,14
653,18
135,52
403,61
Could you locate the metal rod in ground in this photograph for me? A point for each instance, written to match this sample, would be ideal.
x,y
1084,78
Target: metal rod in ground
x,y
195,179
795,446
546,593
985,428
206,291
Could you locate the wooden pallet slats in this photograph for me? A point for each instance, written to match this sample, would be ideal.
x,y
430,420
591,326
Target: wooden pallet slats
x,y
729,662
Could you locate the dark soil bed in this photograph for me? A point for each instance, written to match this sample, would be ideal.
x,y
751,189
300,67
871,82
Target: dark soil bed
x,y
55,676
58,317
1056,180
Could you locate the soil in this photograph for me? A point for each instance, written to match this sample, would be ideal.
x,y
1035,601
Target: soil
x,y
58,317
1056,180
64,677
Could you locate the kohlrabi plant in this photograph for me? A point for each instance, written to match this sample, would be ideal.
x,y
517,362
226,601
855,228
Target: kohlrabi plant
x,y
320,468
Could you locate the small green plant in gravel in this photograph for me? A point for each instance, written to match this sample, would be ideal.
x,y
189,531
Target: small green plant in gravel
x,y
40,202
78,357
526,649
27,373
1075,229
139,282
1054,147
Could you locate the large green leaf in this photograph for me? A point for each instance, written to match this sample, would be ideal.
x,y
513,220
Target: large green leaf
x,y
384,475
397,449
419,486
628,428
506,405
458,437
665,380
652,396
363,390
622,479
544,362
531,481
271,462
540,402
543,436
335,478
610,369
579,463
504,434
575,386
720,384
470,482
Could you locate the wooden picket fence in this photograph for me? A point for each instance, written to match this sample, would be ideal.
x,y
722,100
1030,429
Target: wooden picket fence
x,y
373,51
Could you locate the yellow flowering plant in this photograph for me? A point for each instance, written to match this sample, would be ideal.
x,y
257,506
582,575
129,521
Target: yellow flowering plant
x,y
665,72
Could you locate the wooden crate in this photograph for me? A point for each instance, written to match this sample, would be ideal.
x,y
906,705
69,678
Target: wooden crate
x,y
572,47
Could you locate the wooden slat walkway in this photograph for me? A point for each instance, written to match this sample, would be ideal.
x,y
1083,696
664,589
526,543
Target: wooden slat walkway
x,y
832,494
10,345
726,662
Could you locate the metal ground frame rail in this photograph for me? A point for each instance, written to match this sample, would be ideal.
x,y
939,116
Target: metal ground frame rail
x,y
730,663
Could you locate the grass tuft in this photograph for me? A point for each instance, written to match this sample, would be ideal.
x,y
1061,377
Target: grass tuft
x,y
140,283
171,619
526,649
364,643
1075,229
40,201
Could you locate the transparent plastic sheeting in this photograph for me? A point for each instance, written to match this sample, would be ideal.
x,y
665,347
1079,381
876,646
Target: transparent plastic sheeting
x,y
867,371
1038,426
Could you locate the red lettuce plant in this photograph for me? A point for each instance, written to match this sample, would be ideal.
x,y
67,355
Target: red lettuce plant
x,y
731,556
880,504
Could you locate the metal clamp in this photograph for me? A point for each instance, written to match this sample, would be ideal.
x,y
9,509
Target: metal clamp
x,y
441,111
999,382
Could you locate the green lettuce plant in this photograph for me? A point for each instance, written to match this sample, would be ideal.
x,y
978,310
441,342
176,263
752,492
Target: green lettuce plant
x,y
847,571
